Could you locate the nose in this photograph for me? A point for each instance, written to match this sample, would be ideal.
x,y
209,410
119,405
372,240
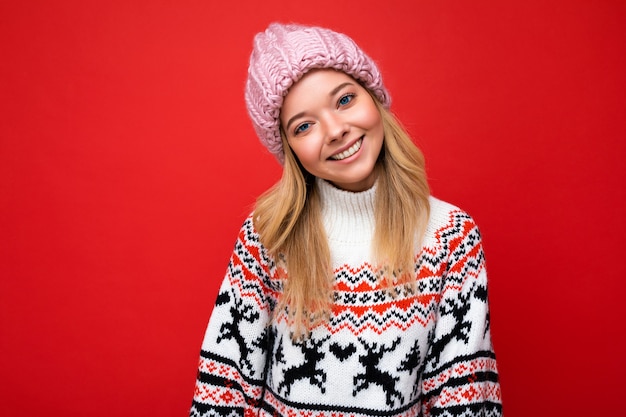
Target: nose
x,y
335,127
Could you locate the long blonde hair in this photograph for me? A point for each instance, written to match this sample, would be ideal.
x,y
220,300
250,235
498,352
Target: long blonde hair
x,y
288,220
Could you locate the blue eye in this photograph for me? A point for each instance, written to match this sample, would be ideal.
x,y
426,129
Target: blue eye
x,y
302,128
344,100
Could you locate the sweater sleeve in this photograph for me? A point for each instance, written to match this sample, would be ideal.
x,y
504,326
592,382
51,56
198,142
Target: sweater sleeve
x,y
232,363
460,376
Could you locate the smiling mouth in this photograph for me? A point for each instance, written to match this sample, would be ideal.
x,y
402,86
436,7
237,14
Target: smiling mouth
x,y
348,152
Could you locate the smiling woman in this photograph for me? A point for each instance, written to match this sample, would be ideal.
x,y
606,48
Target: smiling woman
x,y
336,130
351,289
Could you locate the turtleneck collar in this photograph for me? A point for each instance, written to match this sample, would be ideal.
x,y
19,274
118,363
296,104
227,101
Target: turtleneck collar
x,y
347,215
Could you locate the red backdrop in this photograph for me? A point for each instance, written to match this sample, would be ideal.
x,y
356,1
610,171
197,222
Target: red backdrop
x,y
127,164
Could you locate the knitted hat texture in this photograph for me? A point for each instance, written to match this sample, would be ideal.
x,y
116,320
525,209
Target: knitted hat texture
x,y
280,58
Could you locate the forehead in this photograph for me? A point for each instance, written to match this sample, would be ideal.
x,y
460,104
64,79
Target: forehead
x,y
317,84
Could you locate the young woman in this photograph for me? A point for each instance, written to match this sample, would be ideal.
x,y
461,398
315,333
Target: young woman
x,y
351,291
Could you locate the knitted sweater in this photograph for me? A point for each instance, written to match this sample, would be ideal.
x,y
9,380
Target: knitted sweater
x,y
423,353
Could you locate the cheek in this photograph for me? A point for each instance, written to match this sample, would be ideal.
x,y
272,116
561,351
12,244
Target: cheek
x,y
376,129
304,151
378,123
372,118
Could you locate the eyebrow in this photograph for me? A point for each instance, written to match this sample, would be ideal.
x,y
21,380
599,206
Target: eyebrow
x,y
332,93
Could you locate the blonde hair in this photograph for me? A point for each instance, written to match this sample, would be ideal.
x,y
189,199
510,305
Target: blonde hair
x,y
288,220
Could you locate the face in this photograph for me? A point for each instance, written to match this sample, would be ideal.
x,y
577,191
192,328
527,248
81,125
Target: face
x,y
334,128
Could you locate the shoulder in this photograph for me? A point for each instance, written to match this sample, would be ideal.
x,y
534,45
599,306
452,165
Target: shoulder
x,y
249,235
251,256
447,221
439,207
248,246
443,213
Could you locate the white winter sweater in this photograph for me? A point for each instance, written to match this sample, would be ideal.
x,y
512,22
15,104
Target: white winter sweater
x,y
426,353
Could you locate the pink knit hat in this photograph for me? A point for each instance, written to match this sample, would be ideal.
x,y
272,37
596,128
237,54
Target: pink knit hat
x,y
282,55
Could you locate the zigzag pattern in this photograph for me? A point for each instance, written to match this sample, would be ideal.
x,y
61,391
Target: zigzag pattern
x,y
360,286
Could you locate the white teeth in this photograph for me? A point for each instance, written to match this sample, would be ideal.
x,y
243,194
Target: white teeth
x,y
348,152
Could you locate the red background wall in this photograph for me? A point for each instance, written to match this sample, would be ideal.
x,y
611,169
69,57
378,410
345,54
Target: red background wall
x,y
127,164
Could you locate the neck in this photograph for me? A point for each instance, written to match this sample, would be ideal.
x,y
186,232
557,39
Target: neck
x,y
347,216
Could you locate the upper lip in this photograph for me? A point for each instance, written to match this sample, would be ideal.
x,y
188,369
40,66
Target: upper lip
x,y
345,147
